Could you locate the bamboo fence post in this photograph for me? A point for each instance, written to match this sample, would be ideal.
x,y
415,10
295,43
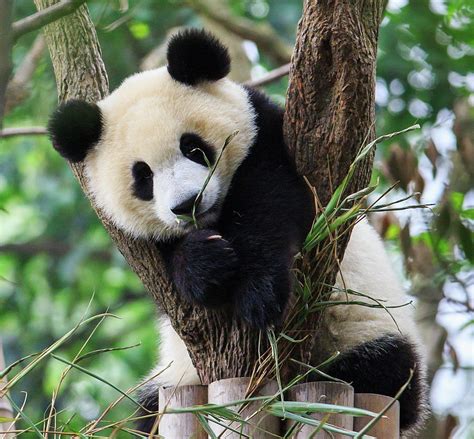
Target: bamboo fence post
x,y
182,425
260,426
326,392
386,428
6,410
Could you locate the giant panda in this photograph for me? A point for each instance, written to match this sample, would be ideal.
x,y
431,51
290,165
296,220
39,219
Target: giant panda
x,y
147,148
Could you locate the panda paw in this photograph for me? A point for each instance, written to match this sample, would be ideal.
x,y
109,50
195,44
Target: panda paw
x,y
203,265
258,304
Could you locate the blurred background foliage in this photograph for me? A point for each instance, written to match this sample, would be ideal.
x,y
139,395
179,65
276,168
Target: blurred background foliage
x,y
57,263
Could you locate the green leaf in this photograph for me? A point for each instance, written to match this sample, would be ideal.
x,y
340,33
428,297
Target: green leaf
x,y
316,407
457,200
140,30
467,214
466,241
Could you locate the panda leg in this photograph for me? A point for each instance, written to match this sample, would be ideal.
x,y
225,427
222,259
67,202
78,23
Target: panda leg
x,y
148,399
383,366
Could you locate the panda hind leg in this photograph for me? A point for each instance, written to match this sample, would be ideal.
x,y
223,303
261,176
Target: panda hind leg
x,y
148,399
383,366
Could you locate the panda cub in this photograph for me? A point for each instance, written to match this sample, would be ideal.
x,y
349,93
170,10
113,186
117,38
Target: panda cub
x,y
147,148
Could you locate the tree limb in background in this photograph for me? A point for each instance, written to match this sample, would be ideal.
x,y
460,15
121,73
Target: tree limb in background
x,y
44,17
5,52
271,76
56,249
23,131
18,87
262,34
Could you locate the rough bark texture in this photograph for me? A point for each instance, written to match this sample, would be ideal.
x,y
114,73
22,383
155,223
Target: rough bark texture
x,y
330,111
330,107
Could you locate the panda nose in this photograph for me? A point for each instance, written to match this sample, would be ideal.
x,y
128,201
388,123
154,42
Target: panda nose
x,y
186,207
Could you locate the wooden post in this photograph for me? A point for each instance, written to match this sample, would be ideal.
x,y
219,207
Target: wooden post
x,y
260,426
6,410
181,425
387,427
326,392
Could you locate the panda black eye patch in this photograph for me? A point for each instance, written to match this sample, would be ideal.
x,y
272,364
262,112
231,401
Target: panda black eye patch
x,y
196,149
142,181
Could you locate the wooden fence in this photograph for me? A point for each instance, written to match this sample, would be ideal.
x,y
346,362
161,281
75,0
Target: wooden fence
x,y
265,426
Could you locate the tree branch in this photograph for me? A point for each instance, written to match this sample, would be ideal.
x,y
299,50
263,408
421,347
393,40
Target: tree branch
x,y
44,17
27,131
271,76
262,34
53,248
5,52
18,87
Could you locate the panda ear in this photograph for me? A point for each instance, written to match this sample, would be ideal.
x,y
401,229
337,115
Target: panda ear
x,y
74,128
195,56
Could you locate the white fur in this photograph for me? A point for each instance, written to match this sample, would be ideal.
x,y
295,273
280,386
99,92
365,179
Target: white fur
x,y
366,269
143,121
177,181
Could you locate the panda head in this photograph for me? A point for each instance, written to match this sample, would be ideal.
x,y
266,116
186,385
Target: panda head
x,y
147,146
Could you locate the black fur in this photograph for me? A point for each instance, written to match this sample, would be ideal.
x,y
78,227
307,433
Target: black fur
x,y
75,127
195,148
142,181
195,56
264,220
383,366
148,397
201,263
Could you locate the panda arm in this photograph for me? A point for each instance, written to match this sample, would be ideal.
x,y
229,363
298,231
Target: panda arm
x,y
266,222
266,216
201,265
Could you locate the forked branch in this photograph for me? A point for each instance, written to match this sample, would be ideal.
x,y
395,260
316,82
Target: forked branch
x,y
330,111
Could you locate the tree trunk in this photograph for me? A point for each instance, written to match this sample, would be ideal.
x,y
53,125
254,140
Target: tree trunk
x,y
330,108
330,111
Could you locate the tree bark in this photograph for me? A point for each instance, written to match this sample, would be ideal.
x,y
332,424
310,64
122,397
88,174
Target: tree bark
x,y
330,115
330,111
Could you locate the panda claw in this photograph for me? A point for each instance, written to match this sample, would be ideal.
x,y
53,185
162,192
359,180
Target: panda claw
x,y
214,237
204,266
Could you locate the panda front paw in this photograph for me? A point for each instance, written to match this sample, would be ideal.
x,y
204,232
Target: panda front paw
x,y
204,265
261,302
